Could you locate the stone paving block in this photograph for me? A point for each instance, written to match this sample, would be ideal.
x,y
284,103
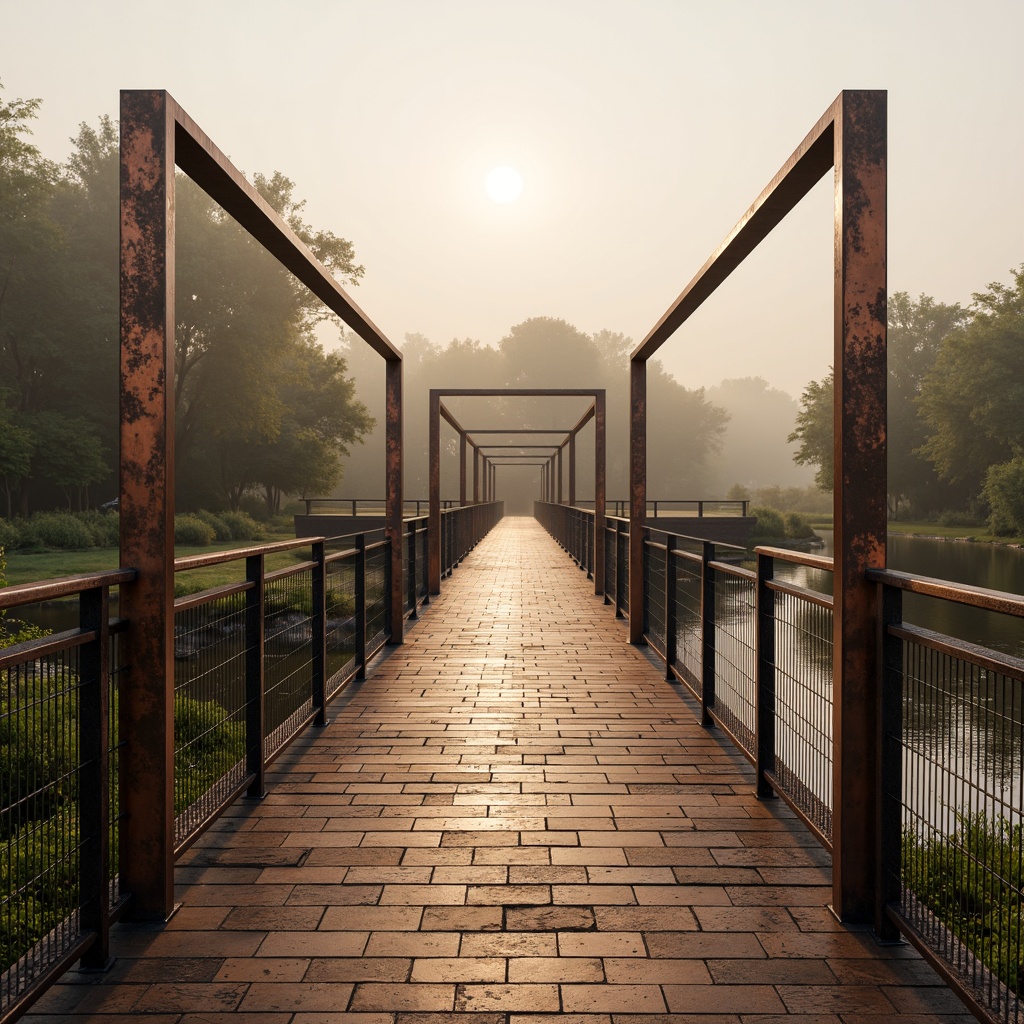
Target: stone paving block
x,y
361,919
402,997
458,969
559,969
601,944
507,998
263,969
364,968
612,999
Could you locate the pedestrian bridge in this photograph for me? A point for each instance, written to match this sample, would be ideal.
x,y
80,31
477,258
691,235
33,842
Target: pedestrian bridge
x,y
514,815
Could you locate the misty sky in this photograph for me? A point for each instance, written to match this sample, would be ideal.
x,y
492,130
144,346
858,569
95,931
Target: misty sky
x,y
642,131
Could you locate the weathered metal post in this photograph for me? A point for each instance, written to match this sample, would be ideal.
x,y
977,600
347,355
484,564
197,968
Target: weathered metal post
x,y
476,475
462,467
147,500
572,469
637,494
434,514
859,140
558,475
395,510
600,489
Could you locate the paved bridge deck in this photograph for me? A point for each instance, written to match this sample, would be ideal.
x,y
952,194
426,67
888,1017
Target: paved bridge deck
x,y
513,817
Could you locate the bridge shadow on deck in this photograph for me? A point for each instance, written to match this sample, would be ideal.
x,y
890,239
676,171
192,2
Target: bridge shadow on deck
x,y
515,814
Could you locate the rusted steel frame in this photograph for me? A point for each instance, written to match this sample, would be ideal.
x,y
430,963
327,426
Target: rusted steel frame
x,y
809,162
520,430
462,468
572,470
395,524
638,495
559,474
859,495
794,557
255,683
434,514
600,484
147,498
476,473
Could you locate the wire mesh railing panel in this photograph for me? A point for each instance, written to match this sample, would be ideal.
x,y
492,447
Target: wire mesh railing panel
x,y
287,657
41,765
209,709
689,642
611,550
803,706
961,864
736,654
622,567
654,596
340,597
421,563
376,598
116,677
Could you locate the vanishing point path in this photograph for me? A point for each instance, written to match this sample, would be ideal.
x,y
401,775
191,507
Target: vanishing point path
x,y
515,818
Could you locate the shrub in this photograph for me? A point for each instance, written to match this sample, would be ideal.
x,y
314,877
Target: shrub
x,y
797,526
1004,492
241,526
955,517
104,527
770,524
221,530
10,535
192,531
61,530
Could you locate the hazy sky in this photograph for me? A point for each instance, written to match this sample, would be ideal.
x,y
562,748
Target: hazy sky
x,y
642,131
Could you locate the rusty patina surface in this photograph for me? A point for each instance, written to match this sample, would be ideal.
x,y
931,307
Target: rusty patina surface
x,y
393,475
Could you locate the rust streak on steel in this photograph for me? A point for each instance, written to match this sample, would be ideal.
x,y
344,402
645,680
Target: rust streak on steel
x,y
462,467
147,500
394,512
600,487
558,471
572,470
860,489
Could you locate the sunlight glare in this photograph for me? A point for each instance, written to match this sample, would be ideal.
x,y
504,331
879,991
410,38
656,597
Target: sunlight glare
x,y
503,184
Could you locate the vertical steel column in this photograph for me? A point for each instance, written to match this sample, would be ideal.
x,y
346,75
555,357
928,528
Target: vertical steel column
x,y
707,633
600,489
255,681
890,776
319,633
637,495
671,609
476,475
395,509
434,513
558,473
860,489
147,500
572,469
360,616
462,467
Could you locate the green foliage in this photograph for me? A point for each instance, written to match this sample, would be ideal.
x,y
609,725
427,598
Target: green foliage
x,y
241,526
797,527
958,517
60,530
972,881
10,535
1004,492
221,530
813,431
207,744
770,523
971,399
192,531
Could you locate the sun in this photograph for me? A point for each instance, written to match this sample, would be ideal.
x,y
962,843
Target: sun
x,y
503,184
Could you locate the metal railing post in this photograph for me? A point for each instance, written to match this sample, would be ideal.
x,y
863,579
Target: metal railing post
x,y
319,632
255,691
707,619
361,606
411,573
764,679
618,568
94,756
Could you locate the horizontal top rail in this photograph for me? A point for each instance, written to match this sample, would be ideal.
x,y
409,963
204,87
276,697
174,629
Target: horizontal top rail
x,y
220,557
983,657
64,586
961,593
796,557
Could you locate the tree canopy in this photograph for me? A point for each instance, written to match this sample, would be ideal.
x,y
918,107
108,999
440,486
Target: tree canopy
x,y
260,406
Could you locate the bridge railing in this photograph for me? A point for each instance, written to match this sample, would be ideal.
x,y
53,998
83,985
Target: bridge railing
x,y
754,647
674,507
463,527
411,507
256,661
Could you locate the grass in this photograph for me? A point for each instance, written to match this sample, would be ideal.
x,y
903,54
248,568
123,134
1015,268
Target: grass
x,y
35,566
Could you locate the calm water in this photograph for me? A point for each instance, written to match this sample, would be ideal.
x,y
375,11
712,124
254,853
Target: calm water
x,y
994,566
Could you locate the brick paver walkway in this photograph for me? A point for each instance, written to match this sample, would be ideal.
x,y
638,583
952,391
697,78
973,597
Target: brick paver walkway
x,y
513,817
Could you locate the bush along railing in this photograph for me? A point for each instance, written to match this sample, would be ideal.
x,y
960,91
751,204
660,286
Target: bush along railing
x,y
58,763
463,527
754,648
255,661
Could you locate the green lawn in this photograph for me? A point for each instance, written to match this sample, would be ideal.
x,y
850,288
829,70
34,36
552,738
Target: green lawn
x,y
36,566
977,533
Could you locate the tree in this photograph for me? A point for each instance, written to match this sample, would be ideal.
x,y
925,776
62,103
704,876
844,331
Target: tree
x,y
917,331
972,397
813,431
16,448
